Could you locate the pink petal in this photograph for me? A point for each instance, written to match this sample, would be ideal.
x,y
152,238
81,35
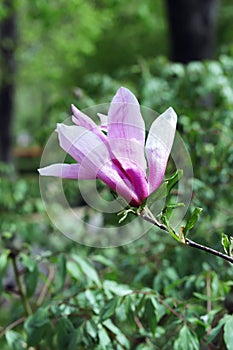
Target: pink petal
x,y
126,128
67,171
114,178
79,142
136,180
158,146
93,155
83,120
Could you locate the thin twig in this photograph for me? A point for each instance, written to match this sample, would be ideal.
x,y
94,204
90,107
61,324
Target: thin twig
x,y
12,325
46,285
25,302
140,327
208,292
148,216
167,306
208,250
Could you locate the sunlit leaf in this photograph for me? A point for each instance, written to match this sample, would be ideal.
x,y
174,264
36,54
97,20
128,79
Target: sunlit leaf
x,y
91,329
15,340
121,338
87,269
104,338
186,340
227,243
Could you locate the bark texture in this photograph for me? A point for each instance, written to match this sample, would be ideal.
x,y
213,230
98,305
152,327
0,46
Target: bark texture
x,y
8,39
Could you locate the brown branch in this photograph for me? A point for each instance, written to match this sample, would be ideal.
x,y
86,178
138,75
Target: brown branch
x,y
148,216
167,306
208,292
46,285
208,250
22,292
12,325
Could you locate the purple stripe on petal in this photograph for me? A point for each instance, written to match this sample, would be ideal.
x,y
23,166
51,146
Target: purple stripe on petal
x,y
109,174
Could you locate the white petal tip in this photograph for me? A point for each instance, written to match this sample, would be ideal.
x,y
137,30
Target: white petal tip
x,y
41,171
170,115
73,108
124,95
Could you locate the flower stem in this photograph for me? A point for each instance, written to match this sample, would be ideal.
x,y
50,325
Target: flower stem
x,y
26,305
148,216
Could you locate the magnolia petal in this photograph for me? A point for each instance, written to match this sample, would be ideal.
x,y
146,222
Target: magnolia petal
x,y
158,146
103,121
81,119
115,179
107,174
93,155
125,124
136,180
84,146
67,171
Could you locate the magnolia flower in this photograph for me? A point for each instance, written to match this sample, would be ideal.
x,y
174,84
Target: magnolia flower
x,y
116,151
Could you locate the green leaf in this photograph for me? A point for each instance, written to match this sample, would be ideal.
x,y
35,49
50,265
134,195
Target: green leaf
x,y
121,338
74,270
215,331
31,279
159,194
87,269
28,262
172,180
3,264
61,273
228,332
192,220
104,338
91,329
170,230
175,205
187,340
109,308
150,315
66,335
15,340
103,260
31,274
4,259
36,326
116,288
227,243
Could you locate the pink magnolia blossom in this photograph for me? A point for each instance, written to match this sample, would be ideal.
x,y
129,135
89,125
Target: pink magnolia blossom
x,y
116,151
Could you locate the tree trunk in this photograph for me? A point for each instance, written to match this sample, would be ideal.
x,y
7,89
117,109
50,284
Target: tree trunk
x,y
192,26
7,68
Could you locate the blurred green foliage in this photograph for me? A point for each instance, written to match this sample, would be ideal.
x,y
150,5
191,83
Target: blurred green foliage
x,y
152,293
